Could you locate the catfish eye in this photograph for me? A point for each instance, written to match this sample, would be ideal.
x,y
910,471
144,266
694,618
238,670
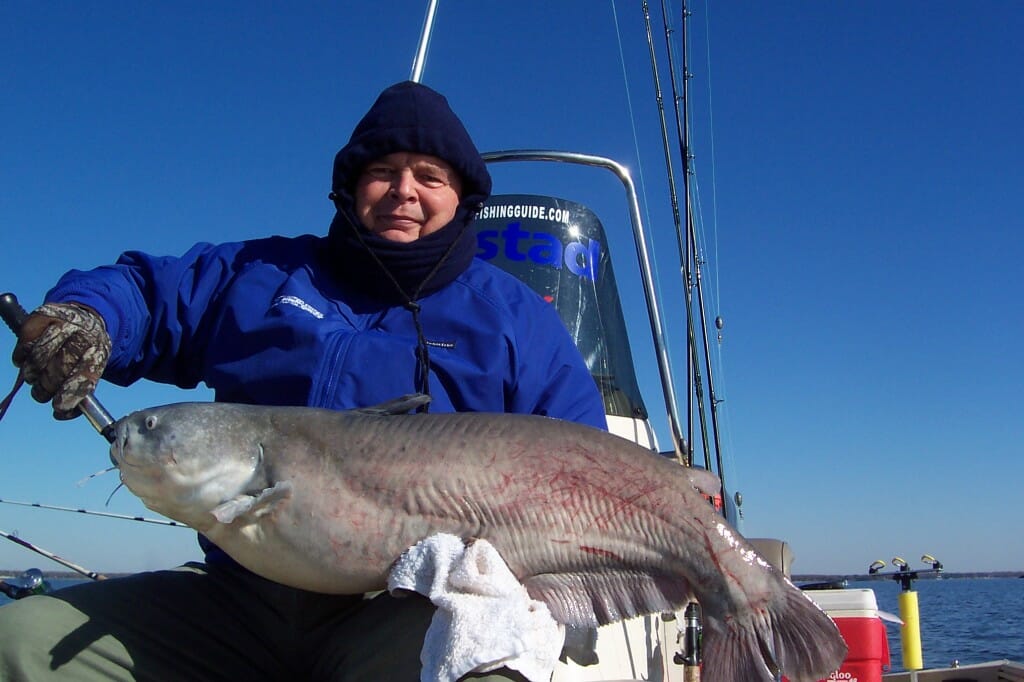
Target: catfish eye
x,y
151,422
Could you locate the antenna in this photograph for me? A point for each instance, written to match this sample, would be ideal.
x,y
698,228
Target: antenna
x,y
421,51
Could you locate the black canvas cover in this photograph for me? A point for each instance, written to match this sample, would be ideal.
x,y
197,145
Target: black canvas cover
x,y
559,248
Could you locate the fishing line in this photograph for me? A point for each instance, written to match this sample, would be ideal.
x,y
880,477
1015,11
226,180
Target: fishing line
x,y
698,261
9,398
711,142
719,354
636,144
686,245
675,422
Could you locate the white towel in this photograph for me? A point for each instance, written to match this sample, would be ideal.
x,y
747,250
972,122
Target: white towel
x,y
484,620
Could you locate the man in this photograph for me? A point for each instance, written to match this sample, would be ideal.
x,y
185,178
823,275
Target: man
x,y
391,301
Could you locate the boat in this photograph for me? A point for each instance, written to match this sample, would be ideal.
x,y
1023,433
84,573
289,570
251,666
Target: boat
x,y
563,249
559,247
992,671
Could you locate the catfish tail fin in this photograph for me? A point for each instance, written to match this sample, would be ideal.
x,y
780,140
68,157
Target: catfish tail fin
x,y
791,636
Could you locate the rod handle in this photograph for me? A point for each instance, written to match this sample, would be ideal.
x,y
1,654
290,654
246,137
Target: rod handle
x,y
12,312
14,316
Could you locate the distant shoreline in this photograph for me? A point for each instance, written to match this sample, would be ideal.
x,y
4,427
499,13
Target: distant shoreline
x,y
59,575
816,577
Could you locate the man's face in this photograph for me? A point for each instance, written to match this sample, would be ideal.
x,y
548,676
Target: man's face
x,y
405,196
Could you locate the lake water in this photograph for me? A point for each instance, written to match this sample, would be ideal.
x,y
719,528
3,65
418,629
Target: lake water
x,y
971,620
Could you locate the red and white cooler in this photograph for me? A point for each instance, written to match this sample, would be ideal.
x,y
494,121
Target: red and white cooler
x,y
855,612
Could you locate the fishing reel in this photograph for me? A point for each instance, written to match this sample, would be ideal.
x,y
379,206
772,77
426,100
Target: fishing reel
x,y
692,631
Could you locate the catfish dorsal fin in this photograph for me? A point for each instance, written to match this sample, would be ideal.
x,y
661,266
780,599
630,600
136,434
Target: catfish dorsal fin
x,y
704,481
400,405
252,505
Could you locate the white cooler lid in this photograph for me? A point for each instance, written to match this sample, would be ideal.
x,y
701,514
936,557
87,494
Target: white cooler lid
x,y
859,599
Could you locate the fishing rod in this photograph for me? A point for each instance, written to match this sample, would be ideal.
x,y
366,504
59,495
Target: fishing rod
x,y
683,246
685,449
109,515
93,575
688,253
693,254
14,316
682,223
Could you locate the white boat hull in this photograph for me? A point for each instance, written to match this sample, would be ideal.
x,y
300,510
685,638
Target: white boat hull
x,y
992,671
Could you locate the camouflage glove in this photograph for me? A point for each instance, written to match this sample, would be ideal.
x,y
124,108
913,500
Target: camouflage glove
x,y
62,350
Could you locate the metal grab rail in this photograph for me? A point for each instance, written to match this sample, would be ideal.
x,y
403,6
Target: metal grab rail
x,y
641,241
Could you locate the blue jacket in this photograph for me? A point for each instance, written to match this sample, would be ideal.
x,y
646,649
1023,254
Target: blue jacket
x,y
328,322
268,322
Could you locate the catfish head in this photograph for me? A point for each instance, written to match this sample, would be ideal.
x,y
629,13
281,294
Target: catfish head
x,y
186,461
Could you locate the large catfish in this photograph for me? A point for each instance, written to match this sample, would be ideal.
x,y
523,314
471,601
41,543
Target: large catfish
x,y
598,528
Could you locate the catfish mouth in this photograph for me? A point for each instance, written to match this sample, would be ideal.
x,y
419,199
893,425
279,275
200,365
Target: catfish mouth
x,y
117,445
120,450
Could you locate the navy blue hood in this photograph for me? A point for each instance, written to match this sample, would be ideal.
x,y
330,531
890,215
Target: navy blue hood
x,y
407,117
410,117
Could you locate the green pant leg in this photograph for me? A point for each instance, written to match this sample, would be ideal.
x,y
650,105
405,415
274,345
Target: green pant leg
x,y
38,633
167,625
189,625
380,641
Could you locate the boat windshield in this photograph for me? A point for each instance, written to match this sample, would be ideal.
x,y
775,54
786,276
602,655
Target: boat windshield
x,y
559,248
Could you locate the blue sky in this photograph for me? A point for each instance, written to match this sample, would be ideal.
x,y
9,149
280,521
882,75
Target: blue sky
x,y
859,198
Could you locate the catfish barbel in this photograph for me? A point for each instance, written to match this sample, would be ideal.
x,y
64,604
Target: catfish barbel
x,y
598,528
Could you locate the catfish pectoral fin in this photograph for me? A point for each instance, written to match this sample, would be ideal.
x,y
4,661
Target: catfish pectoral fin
x,y
254,505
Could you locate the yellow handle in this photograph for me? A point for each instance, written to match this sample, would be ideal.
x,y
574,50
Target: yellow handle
x,y
910,633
